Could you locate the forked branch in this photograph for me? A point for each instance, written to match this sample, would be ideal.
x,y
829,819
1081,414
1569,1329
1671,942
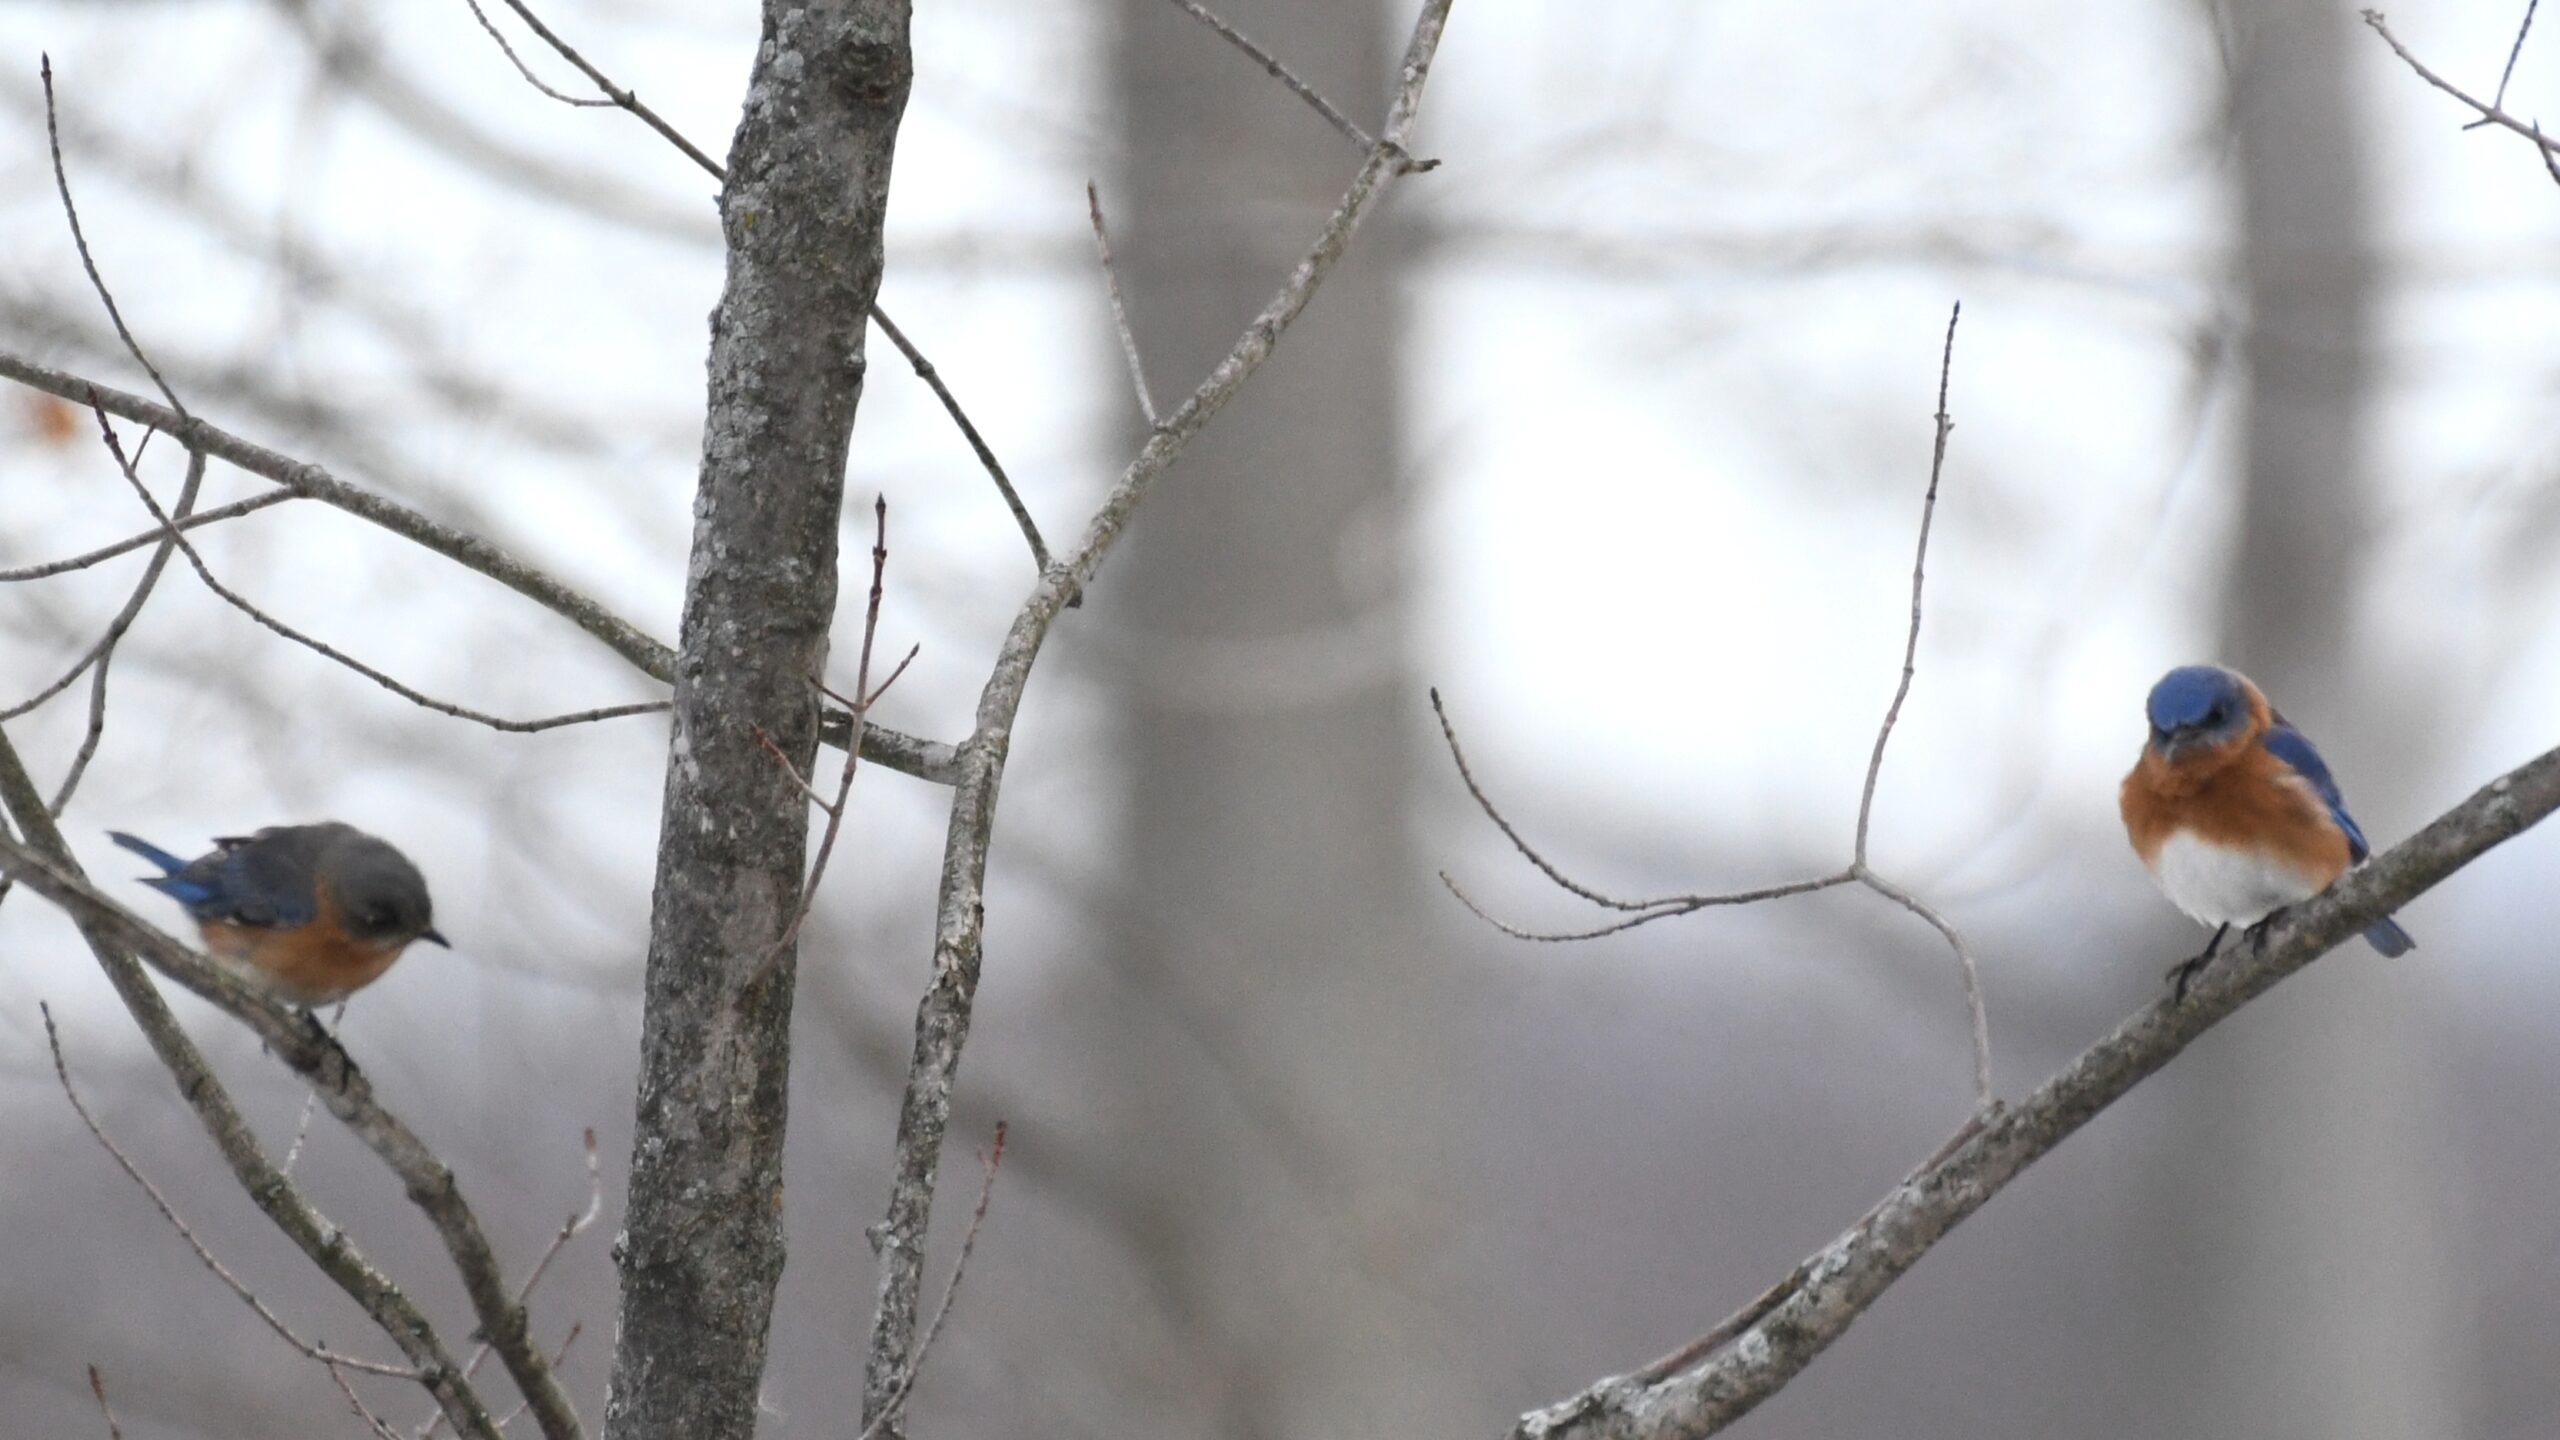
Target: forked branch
x,y
1632,913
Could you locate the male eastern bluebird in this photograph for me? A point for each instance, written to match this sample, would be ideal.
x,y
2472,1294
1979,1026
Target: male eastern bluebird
x,y
311,912
2234,813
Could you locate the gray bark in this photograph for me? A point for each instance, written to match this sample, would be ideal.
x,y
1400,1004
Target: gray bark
x,y
2303,1216
802,210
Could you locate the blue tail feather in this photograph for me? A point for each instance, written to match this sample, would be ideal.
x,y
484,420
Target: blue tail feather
x,y
2387,937
168,863
192,891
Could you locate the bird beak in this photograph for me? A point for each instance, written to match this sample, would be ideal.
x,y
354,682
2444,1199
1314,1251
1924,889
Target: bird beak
x,y
436,938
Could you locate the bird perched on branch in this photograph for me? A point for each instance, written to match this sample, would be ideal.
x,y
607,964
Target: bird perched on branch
x,y
311,912
2234,812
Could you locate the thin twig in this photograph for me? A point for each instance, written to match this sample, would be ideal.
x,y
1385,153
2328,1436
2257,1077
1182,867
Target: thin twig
x,y
71,212
1272,66
414,696
765,739
1977,1015
100,658
2488,113
619,96
1119,307
169,1212
560,1353
569,1230
988,1161
926,372
924,368
310,1102
1639,912
2515,52
858,705
1645,912
1919,565
1484,802
90,739
363,1411
98,1388
1672,906
153,536
536,81
927,760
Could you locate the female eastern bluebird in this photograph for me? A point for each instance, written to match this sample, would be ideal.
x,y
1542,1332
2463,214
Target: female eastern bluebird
x,y
2234,813
311,912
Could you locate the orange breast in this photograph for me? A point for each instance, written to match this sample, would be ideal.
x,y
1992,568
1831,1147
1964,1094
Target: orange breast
x,y
306,964
2238,796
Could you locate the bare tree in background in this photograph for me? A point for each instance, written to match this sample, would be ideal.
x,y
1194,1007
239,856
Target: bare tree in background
x,y
1274,1075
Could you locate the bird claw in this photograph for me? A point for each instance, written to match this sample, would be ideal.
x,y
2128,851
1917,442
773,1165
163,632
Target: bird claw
x,y
2257,934
2183,974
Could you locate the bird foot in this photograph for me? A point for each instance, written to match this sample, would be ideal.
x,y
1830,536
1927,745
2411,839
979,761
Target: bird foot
x,y
2183,974
2257,934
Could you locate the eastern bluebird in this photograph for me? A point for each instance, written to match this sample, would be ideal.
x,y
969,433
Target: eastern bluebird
x,y
2234,813
311,912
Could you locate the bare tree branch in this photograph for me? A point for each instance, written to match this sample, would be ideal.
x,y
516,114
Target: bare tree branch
x,y
2515,52
537,82
169,1212
569,1230
989,1161
924,368
944,1013
932,377
98,1388
1782,1332
1637,913
80,242
1120,307
924,759
1277,71
158,535
858,706
362,1411
2488,111
322,648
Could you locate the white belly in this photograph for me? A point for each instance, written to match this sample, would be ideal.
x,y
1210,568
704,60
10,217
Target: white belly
x,y
2223,886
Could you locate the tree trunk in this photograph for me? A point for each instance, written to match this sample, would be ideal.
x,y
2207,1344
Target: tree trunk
x,y
802,209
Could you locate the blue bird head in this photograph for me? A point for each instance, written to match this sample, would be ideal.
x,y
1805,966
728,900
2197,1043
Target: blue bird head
x,y
2197,705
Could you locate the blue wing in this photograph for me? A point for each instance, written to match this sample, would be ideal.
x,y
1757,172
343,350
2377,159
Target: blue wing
x,y
2294,748
264,879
